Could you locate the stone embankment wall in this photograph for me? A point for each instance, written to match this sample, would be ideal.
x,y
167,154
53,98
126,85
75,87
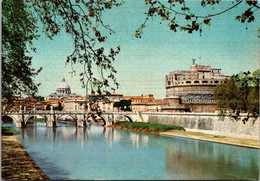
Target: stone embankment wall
x,y
211,123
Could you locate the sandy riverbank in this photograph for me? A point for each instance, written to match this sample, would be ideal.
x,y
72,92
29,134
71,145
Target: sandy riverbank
x,y
203,136
214,138
16,162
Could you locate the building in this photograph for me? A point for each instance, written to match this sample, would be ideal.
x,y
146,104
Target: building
x,y
193,90
18,103
150,106
146,103
142,98
74,103
39,106
108,104
52,102
79,103
63,91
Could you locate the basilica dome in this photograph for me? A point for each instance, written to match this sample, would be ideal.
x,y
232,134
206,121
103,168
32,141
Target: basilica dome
x,y
63,91
63,84
63,87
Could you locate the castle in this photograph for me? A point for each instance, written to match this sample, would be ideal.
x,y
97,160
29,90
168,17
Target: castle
x,y
193,90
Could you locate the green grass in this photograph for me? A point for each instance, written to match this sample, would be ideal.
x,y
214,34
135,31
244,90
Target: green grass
x,y
149,126
37,120
42,119
9,131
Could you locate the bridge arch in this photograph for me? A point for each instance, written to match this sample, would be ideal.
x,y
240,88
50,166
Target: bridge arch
x,y
129,118
10,116
72,119
27,118
67,115
102,117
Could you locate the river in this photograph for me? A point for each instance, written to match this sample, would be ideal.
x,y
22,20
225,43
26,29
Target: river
x,y
96,152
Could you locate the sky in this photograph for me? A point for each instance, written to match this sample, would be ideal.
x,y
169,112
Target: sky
x,y
142,64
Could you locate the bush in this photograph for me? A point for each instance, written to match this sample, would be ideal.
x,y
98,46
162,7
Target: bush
x,y
149,126
9,131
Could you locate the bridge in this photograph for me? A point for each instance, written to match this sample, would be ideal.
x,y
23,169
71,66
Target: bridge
x,y
212,123
80,117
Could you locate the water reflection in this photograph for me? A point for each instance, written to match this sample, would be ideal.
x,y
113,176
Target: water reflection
x,y
63,134
203,160
55,134
96,152
115,135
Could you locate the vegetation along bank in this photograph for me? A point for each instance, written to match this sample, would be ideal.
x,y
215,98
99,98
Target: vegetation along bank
x,y
9,131
145,127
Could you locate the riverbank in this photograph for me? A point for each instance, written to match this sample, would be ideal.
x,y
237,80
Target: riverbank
x,y
9,131
200,136
16,162
214,138
135,129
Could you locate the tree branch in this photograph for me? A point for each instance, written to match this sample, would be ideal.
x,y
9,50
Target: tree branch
x,y
196,16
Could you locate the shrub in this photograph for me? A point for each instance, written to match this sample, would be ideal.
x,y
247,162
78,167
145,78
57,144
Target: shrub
x,y
9,131
149,126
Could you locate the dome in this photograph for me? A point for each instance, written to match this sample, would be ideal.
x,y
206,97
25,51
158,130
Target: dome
x,y
63,84
63,88
63,91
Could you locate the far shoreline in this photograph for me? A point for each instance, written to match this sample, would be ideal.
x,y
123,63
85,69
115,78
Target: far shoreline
x,y
248,143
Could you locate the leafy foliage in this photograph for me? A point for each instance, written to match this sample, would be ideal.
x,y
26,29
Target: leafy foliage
x,y
41,98
80,19
9,131
18,31
181,17
124,105
241,92
48,107
59,108
149,126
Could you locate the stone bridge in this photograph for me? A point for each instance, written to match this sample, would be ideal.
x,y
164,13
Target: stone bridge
x,y
211,123
81,117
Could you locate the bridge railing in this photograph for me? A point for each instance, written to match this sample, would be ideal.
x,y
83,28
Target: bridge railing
x,y
44,112
117,112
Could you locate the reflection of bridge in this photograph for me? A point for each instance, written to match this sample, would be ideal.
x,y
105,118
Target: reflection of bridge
x,y
81,117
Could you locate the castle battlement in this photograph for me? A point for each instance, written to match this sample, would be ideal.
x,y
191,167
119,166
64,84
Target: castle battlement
x,y
194,86
198,76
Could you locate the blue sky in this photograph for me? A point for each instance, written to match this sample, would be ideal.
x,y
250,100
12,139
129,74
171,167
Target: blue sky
x,y
143,63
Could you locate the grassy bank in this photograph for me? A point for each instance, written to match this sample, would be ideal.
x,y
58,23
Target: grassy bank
x,y
147,126
9,131
41,120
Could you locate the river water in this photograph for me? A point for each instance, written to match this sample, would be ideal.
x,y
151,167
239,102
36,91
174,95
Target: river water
x,y
96,152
